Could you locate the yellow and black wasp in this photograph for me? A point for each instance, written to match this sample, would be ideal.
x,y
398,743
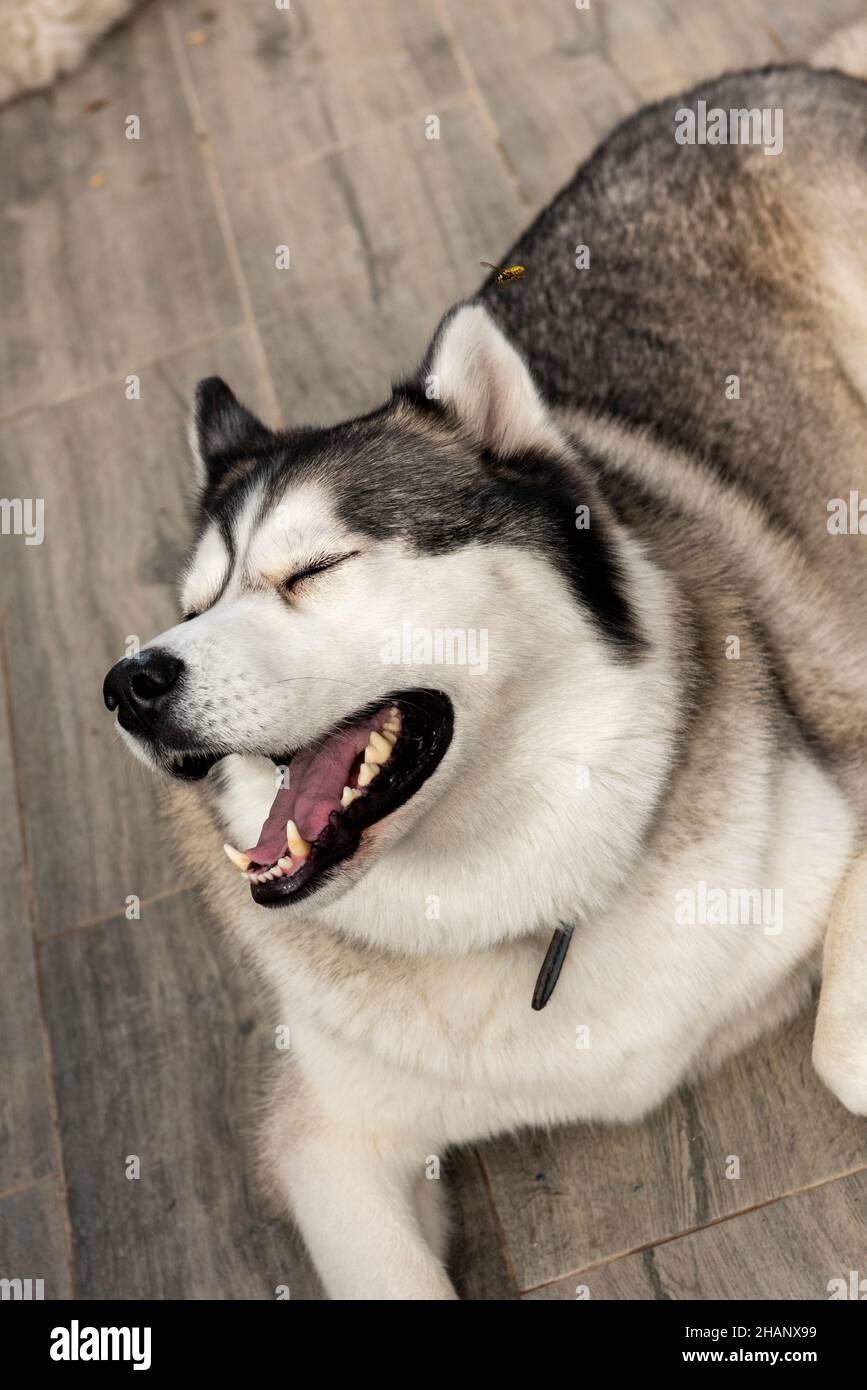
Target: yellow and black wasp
x,y
505,274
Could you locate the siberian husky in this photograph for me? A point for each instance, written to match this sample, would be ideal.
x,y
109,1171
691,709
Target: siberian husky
x,y
567,636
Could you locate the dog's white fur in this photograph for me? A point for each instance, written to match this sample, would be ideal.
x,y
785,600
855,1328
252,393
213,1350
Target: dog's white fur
x,y
40,39
406,982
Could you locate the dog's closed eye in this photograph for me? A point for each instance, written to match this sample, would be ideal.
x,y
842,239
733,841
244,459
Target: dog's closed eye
x,y
327,563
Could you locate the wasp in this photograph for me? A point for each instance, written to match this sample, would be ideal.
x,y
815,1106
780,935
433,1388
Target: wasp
x,y
505,275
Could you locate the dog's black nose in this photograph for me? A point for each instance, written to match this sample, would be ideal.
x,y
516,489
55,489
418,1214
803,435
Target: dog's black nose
x,y
136,686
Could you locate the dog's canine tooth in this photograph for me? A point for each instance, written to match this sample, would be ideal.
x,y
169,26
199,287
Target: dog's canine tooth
x,y
240,861
349,795
298,846
394,721
366,773
378,748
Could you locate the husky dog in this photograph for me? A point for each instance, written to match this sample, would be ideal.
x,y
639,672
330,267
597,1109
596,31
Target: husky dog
x,y
636,486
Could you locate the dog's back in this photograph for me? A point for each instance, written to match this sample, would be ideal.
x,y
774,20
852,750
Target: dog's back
x,y
723,313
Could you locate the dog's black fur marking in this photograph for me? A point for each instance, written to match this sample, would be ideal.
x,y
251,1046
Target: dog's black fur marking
x,y
432,489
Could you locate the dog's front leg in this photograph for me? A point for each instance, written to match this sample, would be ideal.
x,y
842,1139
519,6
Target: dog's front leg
x,y
353,1194
840,1039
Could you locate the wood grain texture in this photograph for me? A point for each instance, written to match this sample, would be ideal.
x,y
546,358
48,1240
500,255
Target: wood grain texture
x,y
792,1249
25,1115
381,246
800,26
543,76
557,79
578,1196
305,79
383,238
31,1238
98,280
160,1052
113,474
476,1256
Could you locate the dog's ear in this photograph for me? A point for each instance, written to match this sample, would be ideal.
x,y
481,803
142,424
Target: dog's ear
x,y
474,370
222,431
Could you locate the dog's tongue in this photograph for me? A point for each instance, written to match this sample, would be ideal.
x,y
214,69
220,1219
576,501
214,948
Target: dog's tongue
x,y
316,777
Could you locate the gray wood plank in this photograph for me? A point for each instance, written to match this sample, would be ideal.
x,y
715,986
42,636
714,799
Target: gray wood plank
x,y
97,279
32,1240
578,1196
113,474
791,1250
476,1257
26,1151
383,239
663,47
160,1050
311,76
800,26
547,82
558,80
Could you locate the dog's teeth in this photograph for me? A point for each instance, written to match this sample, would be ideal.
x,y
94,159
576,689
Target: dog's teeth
x,y
392,724
298,846
378,749
284,863
349,795
240,861
366,773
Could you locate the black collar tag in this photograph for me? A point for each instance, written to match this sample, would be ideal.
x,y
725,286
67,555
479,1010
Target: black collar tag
x,y
552,965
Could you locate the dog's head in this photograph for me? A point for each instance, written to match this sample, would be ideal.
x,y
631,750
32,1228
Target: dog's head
x,y
361,601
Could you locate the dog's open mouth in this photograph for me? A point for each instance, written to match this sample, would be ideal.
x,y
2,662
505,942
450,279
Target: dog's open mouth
x,y
338,786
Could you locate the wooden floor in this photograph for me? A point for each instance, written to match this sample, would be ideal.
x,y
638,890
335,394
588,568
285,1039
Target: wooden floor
x,y
155,258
